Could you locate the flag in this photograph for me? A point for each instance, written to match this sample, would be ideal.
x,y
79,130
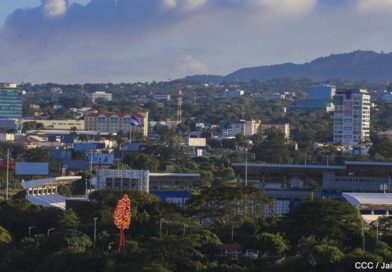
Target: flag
x,y
135,122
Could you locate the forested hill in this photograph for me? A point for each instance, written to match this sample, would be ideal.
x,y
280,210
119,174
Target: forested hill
x,y
357,65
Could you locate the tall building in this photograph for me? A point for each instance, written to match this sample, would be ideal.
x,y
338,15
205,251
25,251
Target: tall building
x,y
351,117
114,122
100,95
10,101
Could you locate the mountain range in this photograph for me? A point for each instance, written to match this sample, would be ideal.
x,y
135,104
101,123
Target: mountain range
x,y
357,65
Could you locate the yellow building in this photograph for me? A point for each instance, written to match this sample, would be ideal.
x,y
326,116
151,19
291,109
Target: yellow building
x,y
114,122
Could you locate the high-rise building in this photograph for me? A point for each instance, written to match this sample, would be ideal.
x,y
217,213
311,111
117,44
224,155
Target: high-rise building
x,y
351,117
10,101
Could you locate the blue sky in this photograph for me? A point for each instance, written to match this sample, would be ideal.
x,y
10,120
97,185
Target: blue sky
x,y
142,40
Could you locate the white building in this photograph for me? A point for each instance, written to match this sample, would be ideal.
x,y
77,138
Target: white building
x,y
351,117
103,95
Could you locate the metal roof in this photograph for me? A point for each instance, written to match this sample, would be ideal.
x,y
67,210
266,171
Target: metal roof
x,y
361,199
174,175
291,166
367,163
40,182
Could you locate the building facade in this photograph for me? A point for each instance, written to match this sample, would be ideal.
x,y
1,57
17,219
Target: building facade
x,y
284,128
351,117
61,124
114,122
10,101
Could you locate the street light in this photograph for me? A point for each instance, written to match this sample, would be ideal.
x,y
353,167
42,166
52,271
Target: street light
x,y
161,221
30,228
7,175
183,230
246,167
95,231
48,232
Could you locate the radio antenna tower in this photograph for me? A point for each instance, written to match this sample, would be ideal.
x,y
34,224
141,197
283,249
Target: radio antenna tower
x,y
179,106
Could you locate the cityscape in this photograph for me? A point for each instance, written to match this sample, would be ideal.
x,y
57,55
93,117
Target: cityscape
x,y
276,167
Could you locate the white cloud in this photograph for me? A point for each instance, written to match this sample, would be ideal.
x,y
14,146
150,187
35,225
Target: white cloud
x,y
54,8
287,7
192,65
169,3
368,5
193,4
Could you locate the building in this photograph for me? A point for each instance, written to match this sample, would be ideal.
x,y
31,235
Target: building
x,y
320,99
61,124
351,117
99,95
123,179
246,128
324,92
371,206
353,176
284,128
114,122
162,97
196,146
313,105
7,137
10,101
233,93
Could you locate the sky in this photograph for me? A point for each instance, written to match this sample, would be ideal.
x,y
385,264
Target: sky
x,y
74,41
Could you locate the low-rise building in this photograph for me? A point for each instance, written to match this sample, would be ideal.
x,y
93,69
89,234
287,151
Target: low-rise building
x,y
284,128
114,122
99,95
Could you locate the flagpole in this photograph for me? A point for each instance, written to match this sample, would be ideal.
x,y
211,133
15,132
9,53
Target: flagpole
x,y
130,133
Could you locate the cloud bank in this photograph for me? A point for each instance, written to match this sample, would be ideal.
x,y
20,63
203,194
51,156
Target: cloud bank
x,y
131,40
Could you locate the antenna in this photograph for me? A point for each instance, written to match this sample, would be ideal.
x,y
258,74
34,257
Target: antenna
x,y
243,113
179,105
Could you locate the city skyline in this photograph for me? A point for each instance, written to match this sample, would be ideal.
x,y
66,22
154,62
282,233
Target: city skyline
x,y
100,41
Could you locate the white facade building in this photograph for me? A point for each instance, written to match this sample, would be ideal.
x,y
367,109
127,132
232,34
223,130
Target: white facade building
x,y
351,117
96,95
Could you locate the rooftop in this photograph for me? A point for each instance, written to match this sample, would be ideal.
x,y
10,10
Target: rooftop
x,y
361,199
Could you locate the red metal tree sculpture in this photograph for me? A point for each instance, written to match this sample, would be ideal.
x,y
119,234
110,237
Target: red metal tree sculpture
x,y
122,218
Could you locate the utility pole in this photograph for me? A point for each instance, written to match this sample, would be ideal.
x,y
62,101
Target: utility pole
x,y
95,231
246,167
8,174
363,238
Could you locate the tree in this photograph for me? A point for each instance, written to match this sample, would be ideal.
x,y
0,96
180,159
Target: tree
x,y
270,244
273,149
5,236
325,219
225,206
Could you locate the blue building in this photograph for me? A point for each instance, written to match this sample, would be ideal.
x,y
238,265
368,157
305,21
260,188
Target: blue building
x,y
10,101
324,92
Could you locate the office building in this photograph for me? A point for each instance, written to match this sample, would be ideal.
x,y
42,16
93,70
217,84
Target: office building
x,y
351,117
100,95
114,122
10,101
67,124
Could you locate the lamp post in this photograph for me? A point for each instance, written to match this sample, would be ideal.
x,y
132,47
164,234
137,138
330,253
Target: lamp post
x,y
95,231
246,167
7,175
161,221
183,229
48,232
30,228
